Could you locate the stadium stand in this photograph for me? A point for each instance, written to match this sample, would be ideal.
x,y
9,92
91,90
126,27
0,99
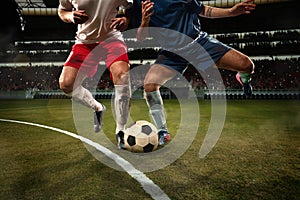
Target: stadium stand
x,y
34,59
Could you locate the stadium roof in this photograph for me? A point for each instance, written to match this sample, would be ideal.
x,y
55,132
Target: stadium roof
x,y
38,3
49,7
31,3
53,3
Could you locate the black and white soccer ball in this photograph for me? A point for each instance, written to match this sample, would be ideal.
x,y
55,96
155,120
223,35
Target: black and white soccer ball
x,y
141,137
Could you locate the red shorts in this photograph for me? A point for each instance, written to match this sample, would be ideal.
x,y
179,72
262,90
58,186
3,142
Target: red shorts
x,y
86,57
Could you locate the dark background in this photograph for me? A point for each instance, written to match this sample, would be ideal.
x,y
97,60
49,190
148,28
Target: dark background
x,y
266,17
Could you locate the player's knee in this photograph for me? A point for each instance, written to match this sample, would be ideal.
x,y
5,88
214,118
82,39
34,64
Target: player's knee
x,y
151,84
120,72
66,87
150,87
121,77
248,65
252,67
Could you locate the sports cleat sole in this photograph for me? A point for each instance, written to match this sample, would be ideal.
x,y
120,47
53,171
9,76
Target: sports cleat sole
x,y
98,119
120,140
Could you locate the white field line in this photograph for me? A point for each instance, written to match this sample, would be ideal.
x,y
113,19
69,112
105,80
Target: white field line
x,y
148,185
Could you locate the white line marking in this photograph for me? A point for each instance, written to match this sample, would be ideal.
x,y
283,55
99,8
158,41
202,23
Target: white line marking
x,y
148,185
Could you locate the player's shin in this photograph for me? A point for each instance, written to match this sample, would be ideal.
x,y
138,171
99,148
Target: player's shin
x,y
156,108
122,106
85,97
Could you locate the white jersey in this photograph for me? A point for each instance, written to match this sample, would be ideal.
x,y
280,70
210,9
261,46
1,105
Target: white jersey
x,y
101,13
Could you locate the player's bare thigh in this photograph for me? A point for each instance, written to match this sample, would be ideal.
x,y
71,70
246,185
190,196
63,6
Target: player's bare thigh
x,y
157,76
236,61
68,77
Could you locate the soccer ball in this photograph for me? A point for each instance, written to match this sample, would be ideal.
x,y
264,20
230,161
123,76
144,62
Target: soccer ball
x,y
141,137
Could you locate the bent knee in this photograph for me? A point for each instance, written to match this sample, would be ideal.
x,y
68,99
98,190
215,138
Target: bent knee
x,y
65,86
121,77
247,65
120,72
150,87
236,61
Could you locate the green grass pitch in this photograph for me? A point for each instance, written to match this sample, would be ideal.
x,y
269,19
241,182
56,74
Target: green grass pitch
x,y
256,157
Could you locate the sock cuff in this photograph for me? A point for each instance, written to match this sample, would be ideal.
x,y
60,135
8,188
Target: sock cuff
x,y
246,78
74,92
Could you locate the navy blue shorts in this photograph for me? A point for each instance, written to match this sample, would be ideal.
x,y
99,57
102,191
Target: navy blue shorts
x,y
201,54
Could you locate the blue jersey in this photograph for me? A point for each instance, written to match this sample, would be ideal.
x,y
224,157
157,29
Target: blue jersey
x,y
177,15
175,25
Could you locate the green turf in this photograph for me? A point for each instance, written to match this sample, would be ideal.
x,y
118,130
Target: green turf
x,y
256,157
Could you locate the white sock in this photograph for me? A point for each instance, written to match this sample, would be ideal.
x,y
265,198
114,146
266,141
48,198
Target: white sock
x,y
156,108
122,104
85,97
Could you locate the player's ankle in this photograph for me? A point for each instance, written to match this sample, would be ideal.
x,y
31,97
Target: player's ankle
x,y
245,77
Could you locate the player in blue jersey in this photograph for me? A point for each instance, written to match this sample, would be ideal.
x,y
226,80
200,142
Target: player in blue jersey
x,y
183,16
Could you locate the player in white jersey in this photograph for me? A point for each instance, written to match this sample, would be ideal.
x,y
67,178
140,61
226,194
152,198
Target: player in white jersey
x,y
98,37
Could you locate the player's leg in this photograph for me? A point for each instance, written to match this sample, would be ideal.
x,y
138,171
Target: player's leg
x,y
118,64
120,75
155,78
237,61
70,82
79,65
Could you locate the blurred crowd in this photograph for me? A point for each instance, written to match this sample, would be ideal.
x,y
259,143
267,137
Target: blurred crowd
x,y
270,74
